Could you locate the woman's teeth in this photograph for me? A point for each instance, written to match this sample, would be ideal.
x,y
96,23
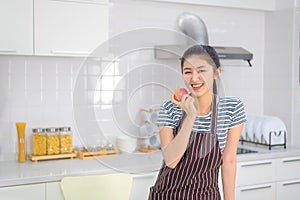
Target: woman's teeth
x,y
198,85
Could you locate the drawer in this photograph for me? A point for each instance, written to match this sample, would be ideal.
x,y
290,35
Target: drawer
x,y
288,168
255,172
262,191
288,190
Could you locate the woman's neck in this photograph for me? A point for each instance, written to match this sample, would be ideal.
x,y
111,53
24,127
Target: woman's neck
x,y
204,104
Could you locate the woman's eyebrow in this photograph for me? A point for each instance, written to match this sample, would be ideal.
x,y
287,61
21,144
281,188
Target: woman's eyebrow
x,y
201,67
187,68
198,67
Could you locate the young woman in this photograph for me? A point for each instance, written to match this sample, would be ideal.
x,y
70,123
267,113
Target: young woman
x,y
199,134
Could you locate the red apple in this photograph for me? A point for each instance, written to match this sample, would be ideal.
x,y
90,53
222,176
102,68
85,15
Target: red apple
x,y
178,93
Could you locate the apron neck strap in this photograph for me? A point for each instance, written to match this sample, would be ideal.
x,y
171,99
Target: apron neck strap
x,y
214,115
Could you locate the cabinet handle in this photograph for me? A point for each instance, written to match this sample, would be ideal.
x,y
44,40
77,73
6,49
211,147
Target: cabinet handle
x,y
84,53
147,175
291,160
84,1
291,183
8,50
256,164
256,188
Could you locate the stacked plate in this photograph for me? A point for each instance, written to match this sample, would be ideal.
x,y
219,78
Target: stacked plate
x,y
264,129
126,144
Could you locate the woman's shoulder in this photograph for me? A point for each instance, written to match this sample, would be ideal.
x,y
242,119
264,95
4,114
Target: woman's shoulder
x,y
170,107
230,100
231,103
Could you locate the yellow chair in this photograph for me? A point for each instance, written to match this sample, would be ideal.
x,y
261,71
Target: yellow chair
x,y
107,187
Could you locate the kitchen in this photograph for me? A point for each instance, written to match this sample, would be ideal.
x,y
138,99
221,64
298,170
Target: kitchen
x,y
37,81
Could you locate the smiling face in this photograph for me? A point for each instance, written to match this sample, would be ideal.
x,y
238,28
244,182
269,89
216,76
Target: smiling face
x,y
199,74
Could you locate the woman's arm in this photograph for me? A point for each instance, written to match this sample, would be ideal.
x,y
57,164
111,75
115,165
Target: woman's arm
x,y
174,148
229,161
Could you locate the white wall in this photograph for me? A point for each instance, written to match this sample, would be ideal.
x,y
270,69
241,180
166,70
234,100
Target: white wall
x,y
227,27
39,90
281,77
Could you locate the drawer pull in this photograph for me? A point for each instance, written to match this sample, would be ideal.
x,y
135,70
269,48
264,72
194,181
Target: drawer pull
x,y
256,188
85,53
84,1
291,160
291,183
256,164
8,50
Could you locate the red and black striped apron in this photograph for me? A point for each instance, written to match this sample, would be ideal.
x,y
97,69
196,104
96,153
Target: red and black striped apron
x,y
196,174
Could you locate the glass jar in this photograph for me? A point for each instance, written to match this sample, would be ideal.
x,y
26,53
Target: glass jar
x,y
39,141
65,135
52,141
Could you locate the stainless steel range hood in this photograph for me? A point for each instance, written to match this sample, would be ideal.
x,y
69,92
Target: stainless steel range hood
x,y
228,53
196,33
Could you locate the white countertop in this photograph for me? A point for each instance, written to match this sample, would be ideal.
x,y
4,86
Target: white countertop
x,y
14,173
264,153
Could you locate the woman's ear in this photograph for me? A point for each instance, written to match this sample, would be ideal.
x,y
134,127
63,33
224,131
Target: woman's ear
x,y
218,72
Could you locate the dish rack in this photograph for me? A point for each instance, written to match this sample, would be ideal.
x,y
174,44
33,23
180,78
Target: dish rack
x,y
263,141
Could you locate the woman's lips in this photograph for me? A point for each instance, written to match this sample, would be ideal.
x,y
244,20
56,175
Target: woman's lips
x,y
197,87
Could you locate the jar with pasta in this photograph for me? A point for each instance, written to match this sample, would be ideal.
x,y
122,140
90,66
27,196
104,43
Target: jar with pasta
x,y
65,140
39,141
52,141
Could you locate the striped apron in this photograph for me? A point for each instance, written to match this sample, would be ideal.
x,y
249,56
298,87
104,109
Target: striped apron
x,y
196,174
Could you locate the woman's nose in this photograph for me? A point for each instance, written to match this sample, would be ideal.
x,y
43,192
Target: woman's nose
x,y
196,76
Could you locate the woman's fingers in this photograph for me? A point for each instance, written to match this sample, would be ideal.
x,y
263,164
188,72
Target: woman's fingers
x,y
174,100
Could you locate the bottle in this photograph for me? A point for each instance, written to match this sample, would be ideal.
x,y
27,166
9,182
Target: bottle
x,y
21,141
65,135
39,141
52,141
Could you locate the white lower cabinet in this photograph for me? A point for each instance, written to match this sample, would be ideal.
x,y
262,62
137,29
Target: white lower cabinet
x,y
255,172
23,192
288,168
288,173
53,191
256,180
288,190
141,185
257,192
277,179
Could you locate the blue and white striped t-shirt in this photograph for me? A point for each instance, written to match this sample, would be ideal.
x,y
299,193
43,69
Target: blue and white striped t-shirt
x,y
231,113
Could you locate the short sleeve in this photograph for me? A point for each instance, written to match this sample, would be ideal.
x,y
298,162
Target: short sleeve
x,y
238,115
165,117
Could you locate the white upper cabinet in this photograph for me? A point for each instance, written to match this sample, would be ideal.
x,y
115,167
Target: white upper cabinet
x,y
16,33
70,28
265,5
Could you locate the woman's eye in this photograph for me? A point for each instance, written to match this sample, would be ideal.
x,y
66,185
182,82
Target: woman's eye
x,y
187,72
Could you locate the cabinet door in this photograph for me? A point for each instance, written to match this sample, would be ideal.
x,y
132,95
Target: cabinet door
x,y
24,192
288,168
288,190
53,191
259,192
16,22
255,172
70,27
141,185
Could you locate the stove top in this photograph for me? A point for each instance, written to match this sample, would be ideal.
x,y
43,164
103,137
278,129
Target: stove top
x,y
241,150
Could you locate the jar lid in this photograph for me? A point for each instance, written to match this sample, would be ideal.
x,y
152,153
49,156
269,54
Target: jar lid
x,y
65,128
52,129
38,130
